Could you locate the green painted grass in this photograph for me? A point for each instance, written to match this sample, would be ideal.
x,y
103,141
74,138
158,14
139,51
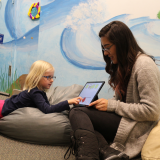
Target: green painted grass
x,y
7,83
158,15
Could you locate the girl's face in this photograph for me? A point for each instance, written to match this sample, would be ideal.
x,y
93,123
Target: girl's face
x,y
47,80
109,49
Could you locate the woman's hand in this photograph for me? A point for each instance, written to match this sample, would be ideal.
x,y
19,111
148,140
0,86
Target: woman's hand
x,y
75,100
100,104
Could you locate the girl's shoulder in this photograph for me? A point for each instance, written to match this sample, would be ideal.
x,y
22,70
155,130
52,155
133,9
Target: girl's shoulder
x,y
36,90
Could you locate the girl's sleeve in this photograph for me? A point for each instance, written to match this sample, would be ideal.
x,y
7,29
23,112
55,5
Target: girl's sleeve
x,y
148,107
41,103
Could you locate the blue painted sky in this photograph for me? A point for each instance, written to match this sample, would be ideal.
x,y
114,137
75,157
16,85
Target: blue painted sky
x,y
66,35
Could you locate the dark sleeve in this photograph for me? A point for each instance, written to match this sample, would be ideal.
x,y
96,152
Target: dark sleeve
x,y
41,102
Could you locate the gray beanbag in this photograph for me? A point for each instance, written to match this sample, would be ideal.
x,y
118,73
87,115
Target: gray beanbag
x,y
31,125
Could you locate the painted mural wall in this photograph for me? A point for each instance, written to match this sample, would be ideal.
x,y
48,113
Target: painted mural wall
x,y
66,35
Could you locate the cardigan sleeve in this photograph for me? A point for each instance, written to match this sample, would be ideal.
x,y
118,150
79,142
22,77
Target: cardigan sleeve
x,y
147,78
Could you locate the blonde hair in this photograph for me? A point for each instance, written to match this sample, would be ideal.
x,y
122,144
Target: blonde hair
x,y
35,74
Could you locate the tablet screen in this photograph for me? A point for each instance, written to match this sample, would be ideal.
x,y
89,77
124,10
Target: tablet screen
x,y
90,90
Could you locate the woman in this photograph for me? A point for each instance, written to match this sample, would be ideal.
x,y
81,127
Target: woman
x,y
117,128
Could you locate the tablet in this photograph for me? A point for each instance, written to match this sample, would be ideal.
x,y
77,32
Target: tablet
x,y
89,92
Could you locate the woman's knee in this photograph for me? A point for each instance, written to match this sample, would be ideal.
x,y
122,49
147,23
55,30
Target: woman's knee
x,y
73,112
77,109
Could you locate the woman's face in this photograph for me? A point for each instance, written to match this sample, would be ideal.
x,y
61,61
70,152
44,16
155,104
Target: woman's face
x,y
109,49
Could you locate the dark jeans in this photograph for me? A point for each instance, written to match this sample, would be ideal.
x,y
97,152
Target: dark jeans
x,y
91,119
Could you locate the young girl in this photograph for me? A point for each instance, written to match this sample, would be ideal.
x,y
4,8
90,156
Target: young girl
x,y
39,79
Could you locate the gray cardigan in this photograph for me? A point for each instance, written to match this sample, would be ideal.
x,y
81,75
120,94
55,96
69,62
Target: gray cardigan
x,y
141,111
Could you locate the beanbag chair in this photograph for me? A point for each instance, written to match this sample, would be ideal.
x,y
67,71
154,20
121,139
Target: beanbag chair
x,y
151,148
31,125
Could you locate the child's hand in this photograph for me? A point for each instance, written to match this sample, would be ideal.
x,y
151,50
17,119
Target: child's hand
x,y
75,100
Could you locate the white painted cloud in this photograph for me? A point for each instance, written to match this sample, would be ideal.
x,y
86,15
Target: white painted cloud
x,y
85,14
99,11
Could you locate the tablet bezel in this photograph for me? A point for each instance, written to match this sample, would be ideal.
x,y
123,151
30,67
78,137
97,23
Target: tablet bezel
x,y
102,84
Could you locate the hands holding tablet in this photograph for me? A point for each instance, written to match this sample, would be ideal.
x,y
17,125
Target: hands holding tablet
x,y
100,104
75,100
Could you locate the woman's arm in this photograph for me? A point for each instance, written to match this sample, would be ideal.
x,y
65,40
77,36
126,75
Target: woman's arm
x,y
146,107
147,80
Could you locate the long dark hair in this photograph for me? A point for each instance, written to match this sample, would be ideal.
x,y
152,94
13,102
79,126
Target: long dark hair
x,y
126,50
